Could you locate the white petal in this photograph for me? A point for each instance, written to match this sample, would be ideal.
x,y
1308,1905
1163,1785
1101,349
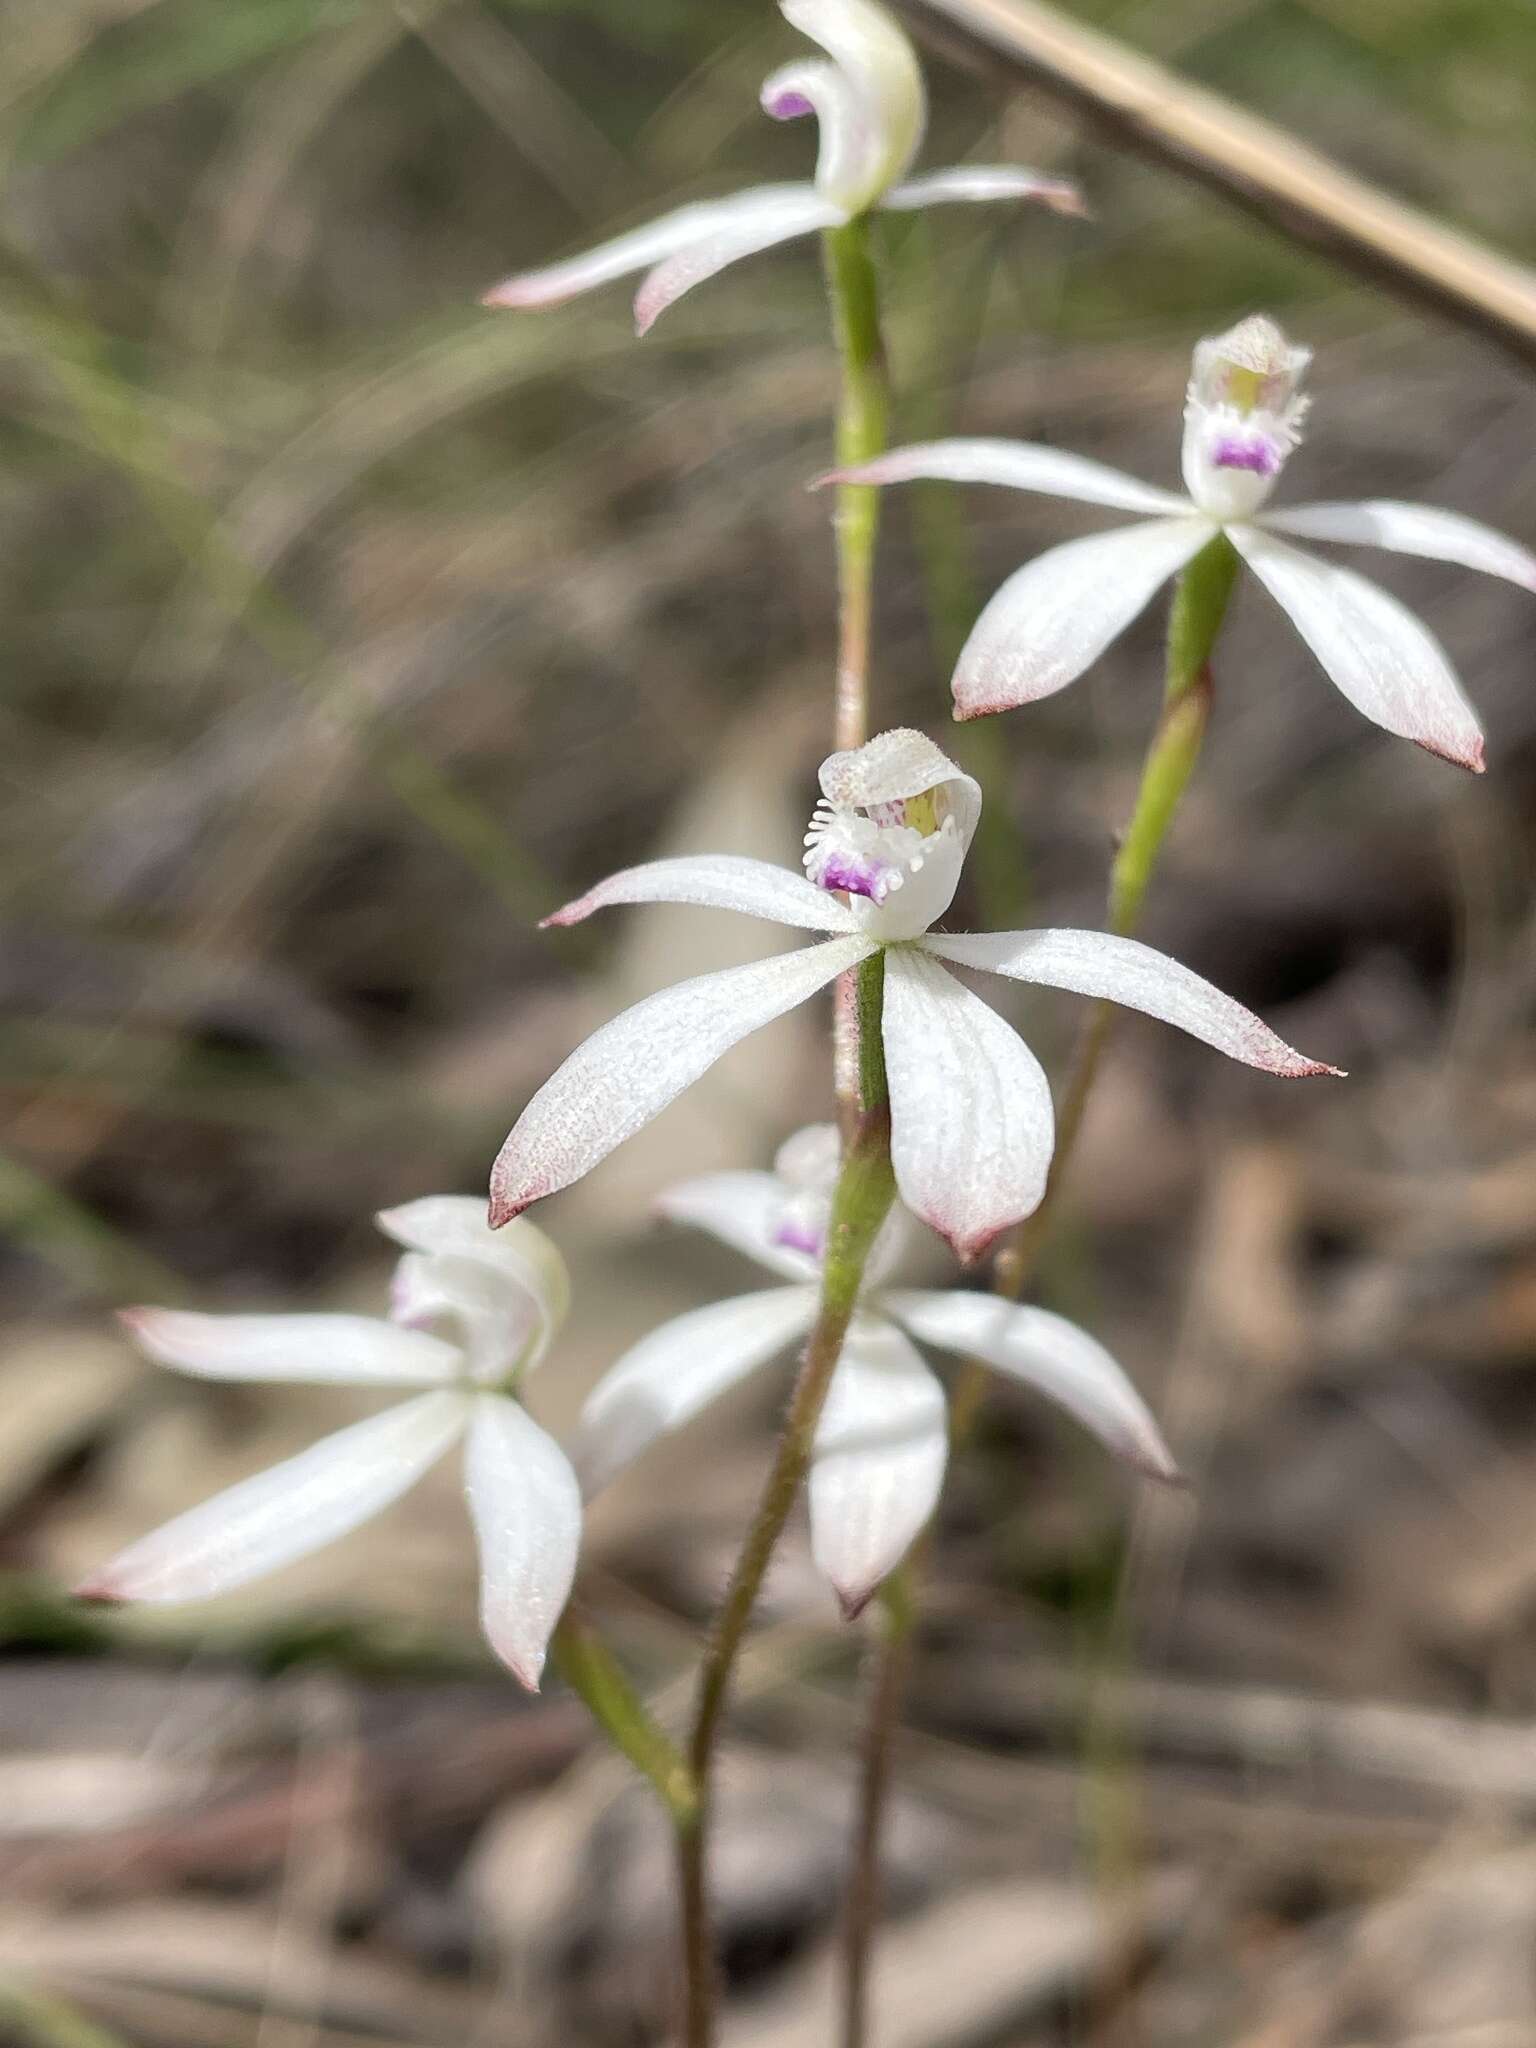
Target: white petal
x,y
718,881
664,1380
1016,465
744,1210
795,210
1054,617
1044,1351
287,1511
984,182
526,1507
881,67
333,1350
520,1262
638,249
1412,530
1384,660
971,1121
881,1446
629,1071
1125,971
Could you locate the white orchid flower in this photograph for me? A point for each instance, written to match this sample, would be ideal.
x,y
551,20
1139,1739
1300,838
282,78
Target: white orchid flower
x,y
971,1120
1242,418
882,1441
868,100
504,1297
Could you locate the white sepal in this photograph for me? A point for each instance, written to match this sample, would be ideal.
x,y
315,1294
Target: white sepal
x,y
674,1371
628,1071
1015,466
287,1511
526,1508
1126,971
982,184
1046,1352
684,228
741,230
744,1210
881,1445
331,1350
1384,660
1054,617
721,881
1411,530
971,1120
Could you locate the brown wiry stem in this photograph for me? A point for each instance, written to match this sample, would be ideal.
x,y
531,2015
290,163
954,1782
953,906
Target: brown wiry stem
x,y
865,1190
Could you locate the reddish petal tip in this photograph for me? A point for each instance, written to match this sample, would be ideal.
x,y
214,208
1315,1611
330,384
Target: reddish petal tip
x,y
1163,1470
854,1603
134,1319
98,1592
505,1209
526,1671
1472,757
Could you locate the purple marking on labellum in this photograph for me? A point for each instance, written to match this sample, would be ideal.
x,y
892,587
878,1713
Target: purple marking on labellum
x,y
788,106
1260,456
856,877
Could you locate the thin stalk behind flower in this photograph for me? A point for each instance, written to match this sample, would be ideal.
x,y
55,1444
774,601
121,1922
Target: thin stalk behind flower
x,y
1201,597
863,417
866,1188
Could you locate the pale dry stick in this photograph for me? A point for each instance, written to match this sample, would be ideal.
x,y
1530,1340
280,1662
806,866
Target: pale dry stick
x,y
1250,161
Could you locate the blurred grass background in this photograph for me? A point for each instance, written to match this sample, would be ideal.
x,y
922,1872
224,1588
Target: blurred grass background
x,y
346,628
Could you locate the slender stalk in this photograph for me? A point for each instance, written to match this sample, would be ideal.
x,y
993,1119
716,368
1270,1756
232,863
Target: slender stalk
x,y
863,412
860,1204
863,415
589,1668
1199,607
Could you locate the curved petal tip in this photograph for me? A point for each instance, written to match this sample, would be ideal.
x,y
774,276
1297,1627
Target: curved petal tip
x,y
99,1590
852,1600
527,1670
504,1208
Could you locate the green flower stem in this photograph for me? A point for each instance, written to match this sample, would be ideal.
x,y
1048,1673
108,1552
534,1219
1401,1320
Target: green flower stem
x,y
865,1190
1200,603
863,415
590,1669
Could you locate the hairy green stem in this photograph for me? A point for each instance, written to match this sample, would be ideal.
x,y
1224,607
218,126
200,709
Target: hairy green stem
x,y
862,1200
1200,604
863,416
590,1669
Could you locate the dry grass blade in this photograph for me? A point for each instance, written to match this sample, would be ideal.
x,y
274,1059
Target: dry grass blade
x,y
1262,167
